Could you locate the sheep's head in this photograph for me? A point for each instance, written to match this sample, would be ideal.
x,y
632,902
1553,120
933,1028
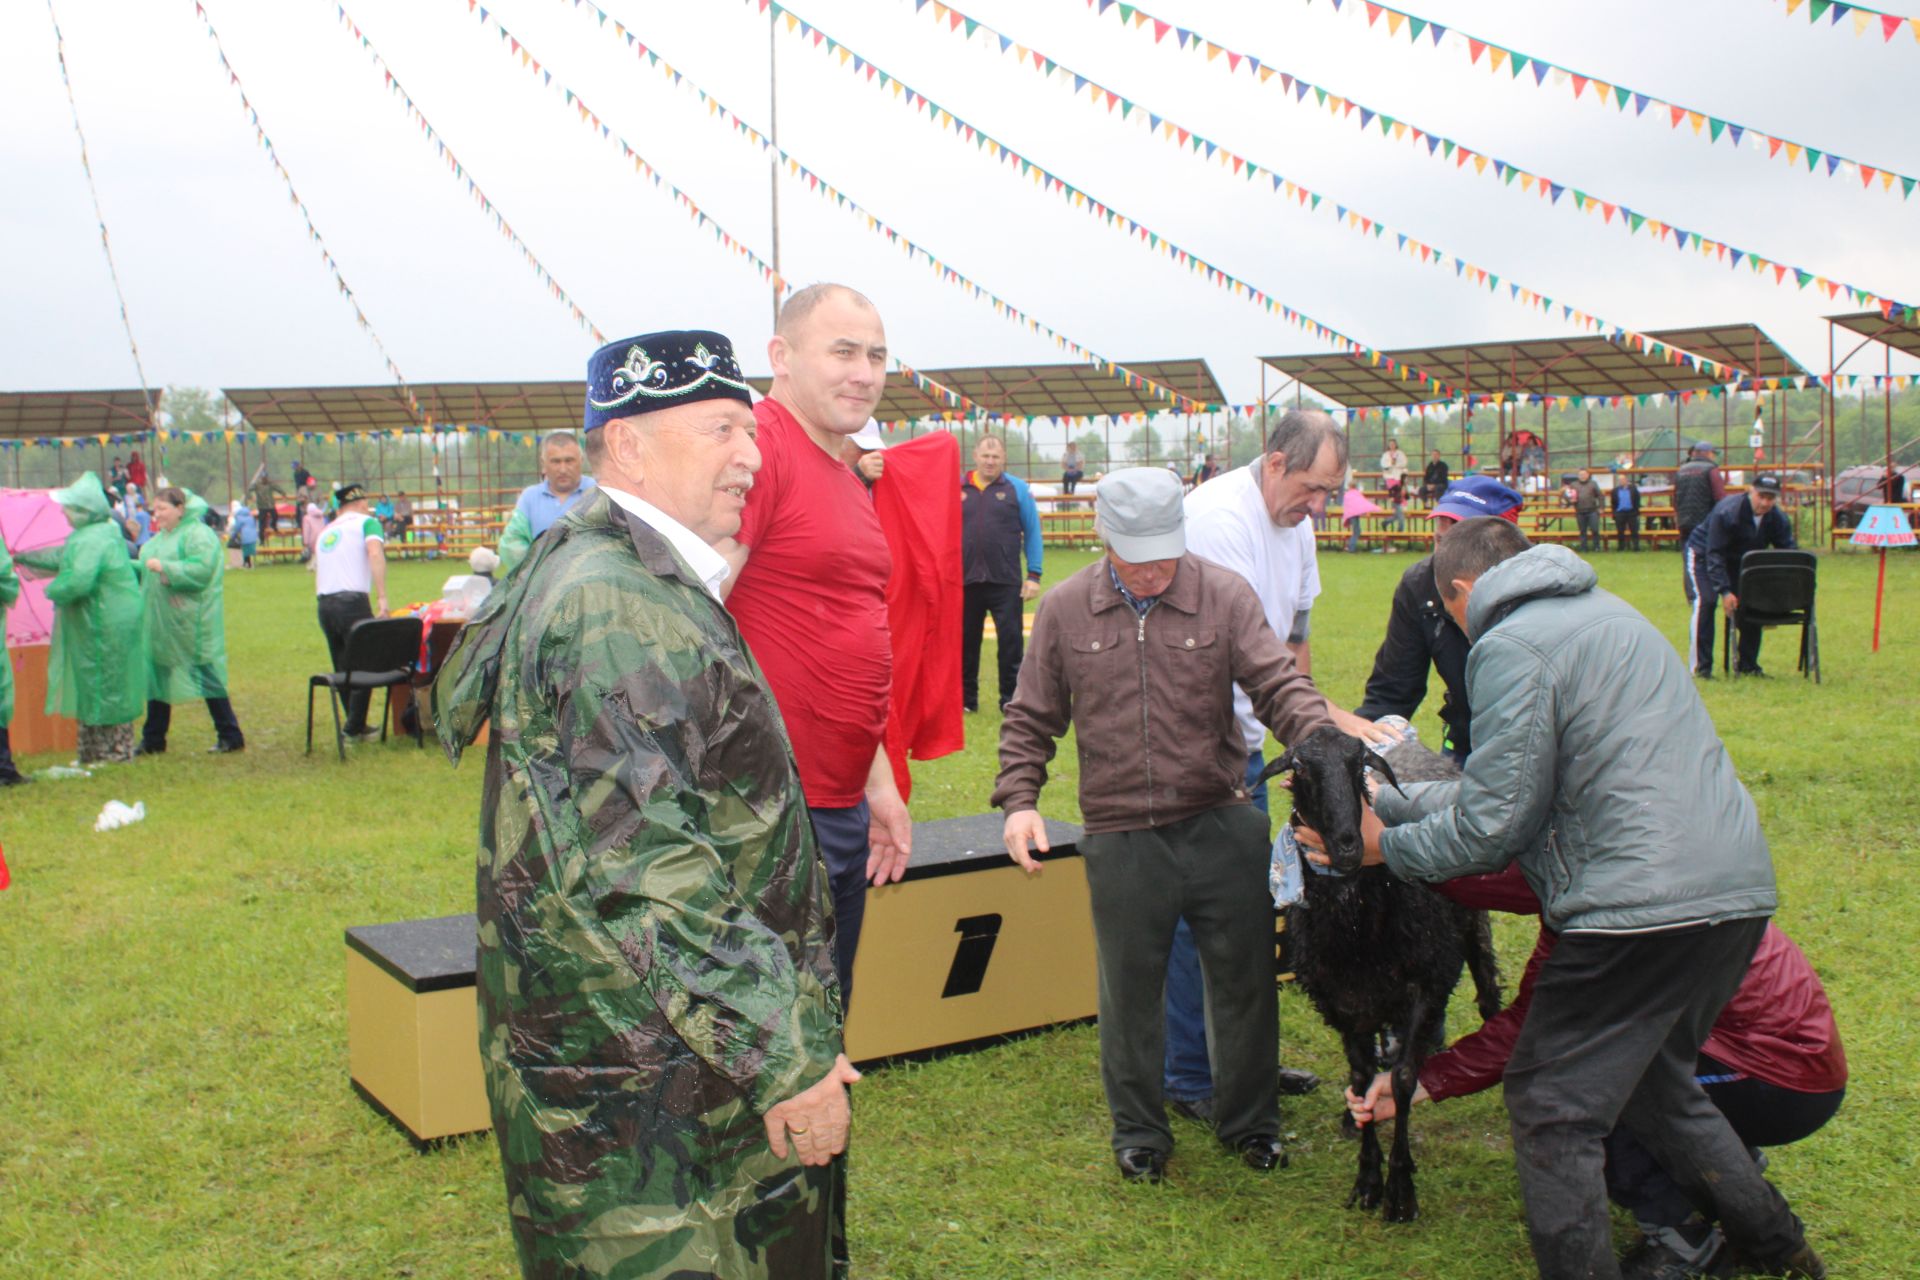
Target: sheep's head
x,y
1329,785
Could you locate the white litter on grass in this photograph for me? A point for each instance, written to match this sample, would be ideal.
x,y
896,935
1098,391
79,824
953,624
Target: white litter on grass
x,y
61,772
114,814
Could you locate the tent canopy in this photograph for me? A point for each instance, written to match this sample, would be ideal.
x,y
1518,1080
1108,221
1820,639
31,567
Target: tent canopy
x,y
54,415
1079,390
509,406
1902,336
1070,390
1587,365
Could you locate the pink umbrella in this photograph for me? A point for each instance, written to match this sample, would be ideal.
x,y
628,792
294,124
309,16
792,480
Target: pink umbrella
x,y
1356,503
29,520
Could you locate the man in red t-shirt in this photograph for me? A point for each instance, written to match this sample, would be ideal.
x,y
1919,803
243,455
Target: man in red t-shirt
x,y
809,592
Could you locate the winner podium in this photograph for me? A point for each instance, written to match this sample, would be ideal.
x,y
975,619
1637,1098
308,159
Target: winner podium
x,y
968,947
965,949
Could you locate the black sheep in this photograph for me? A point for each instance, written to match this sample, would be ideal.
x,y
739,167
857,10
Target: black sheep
x,y
1378,956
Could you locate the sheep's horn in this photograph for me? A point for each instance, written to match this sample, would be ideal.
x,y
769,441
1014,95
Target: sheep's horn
x,y
1378,762
1279,764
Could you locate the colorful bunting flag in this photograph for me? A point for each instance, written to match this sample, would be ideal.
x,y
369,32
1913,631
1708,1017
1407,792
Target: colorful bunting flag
x,y
1439,146
1370,227
942,270
100,219
306,215
459,174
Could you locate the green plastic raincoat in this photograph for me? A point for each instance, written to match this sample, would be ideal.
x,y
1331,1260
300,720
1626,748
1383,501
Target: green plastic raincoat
x,y
515,539
9,592
186,627
97,667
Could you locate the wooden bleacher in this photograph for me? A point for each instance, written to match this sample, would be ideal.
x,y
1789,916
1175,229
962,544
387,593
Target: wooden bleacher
x,y
473,518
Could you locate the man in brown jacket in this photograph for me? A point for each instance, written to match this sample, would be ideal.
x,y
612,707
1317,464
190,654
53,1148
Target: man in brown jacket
x,y
1139,653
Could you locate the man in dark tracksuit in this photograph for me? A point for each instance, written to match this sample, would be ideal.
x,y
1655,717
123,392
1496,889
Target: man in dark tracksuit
x,y
1421,635
998,521
1737,524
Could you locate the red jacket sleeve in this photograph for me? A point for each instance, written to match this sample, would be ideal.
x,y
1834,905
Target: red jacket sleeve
x,y
1504,890
1477,1061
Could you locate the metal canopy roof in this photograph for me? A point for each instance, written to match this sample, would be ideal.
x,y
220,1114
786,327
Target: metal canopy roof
x,y
1079,390
1902,337
1052,390
1587,365
900,402
66,414
510,406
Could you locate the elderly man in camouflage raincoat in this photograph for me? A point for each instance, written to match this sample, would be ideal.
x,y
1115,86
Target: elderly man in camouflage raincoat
x,y
660,1027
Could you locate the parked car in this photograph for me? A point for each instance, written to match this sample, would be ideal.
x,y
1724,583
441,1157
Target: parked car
x,y
1857,488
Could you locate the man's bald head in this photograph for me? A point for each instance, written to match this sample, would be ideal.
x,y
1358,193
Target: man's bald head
x,y
795,310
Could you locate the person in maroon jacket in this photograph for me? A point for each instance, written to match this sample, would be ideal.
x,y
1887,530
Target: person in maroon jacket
x,y
1773,1064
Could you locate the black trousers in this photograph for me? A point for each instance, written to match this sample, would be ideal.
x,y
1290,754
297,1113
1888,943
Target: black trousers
x,y
1762,1114
1211,870
1706,621
7,768
338,612
1002,600
1612,1037
1626,525
226,727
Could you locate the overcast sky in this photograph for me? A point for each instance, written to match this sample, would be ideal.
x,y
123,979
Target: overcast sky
x,y
224,288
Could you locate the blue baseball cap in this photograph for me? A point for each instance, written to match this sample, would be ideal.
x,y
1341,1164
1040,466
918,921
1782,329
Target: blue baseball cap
x,y
1472,496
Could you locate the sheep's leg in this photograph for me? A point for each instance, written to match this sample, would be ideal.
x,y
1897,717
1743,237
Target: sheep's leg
x,y
1483,964
1401,1203
1360,1065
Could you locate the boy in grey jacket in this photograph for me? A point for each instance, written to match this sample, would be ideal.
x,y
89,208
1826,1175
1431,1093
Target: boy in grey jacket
x,y
1596,767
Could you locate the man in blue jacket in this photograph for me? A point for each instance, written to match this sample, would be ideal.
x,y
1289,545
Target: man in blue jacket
x,y
1738,523
1597,770
998,522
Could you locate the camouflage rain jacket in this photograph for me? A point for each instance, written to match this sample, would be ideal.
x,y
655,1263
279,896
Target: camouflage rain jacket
x,y
655,963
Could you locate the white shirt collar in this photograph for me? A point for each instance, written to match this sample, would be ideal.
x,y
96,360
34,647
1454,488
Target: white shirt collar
x,y
710,565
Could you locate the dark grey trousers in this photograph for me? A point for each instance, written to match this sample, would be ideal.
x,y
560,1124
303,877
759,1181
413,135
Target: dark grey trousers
x,y
1589,525
1615,1027
1211,869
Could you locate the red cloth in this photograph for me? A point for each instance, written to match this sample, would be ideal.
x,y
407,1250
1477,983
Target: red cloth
x,y
919,511
5,877
812,605
1778,1027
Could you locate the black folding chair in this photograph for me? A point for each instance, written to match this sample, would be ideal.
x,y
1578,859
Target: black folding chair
x,y
1776,590
381,653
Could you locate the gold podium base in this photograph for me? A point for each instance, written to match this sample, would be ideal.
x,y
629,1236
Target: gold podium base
x,y
968,946
965,949
412,1029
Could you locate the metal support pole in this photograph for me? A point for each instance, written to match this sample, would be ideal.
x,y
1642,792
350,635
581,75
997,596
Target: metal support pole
x,y
773,152
1833,458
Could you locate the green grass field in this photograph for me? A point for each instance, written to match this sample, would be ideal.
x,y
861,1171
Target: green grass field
x,y
173,1037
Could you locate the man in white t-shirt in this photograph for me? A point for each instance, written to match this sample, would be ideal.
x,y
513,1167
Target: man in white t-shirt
x,y
349,563
1255,521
